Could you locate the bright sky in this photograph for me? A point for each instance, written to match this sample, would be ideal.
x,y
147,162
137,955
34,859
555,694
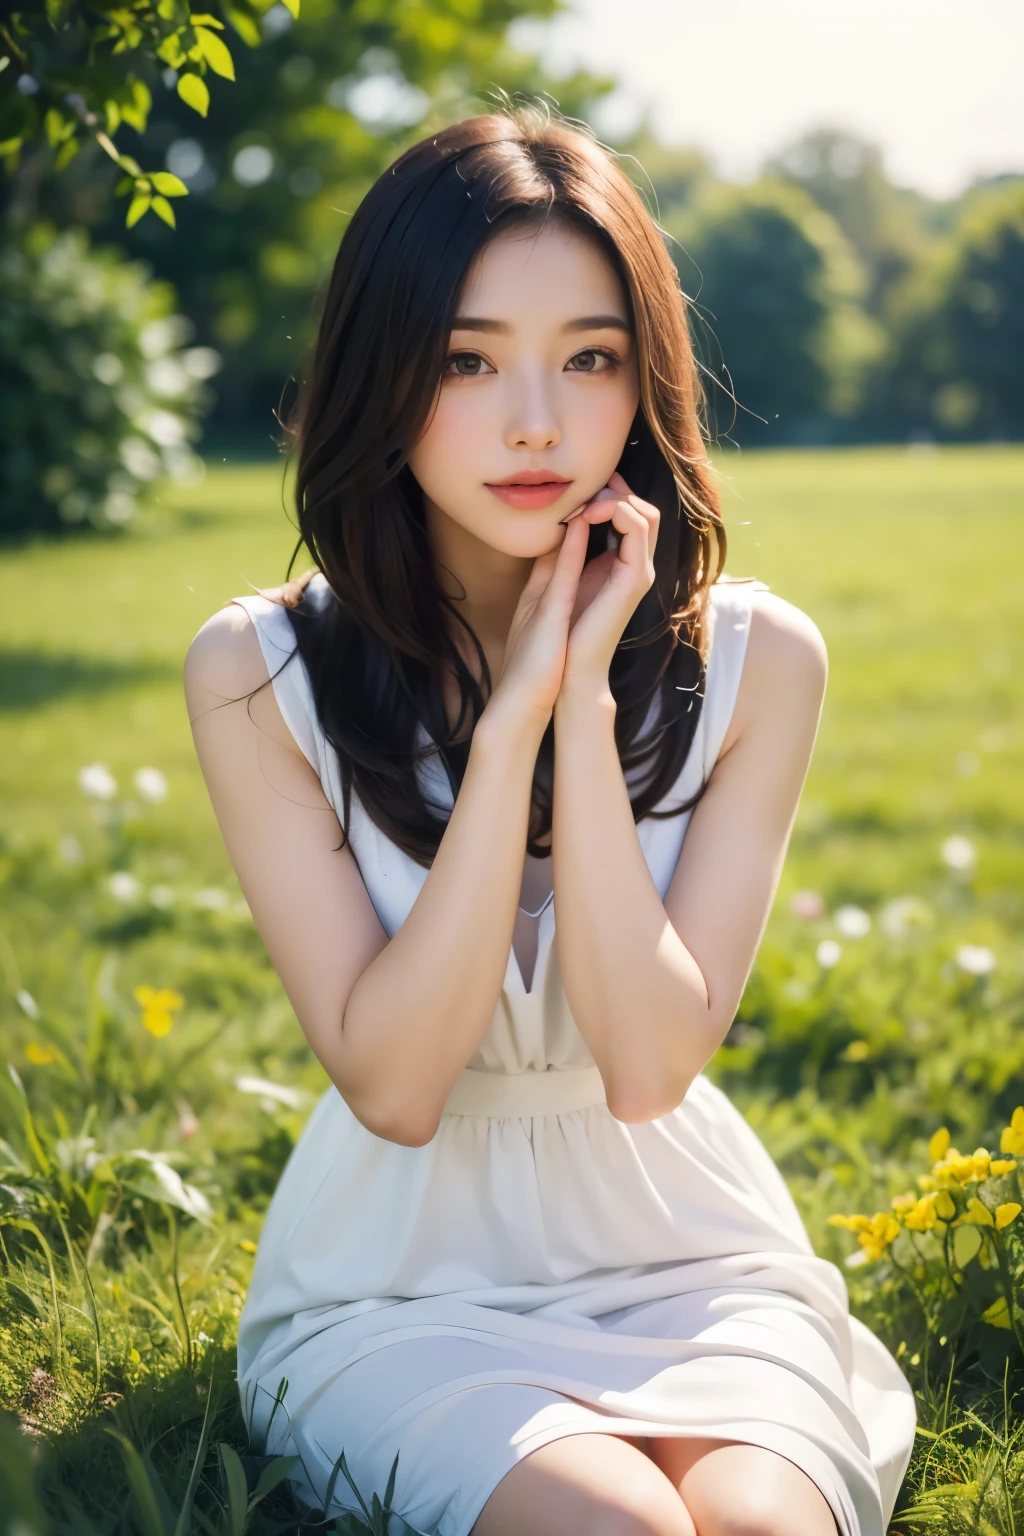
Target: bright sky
x,y
938,83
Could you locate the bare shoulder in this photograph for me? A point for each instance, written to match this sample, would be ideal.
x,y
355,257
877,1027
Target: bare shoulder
x,y
225,664
785,646
784,671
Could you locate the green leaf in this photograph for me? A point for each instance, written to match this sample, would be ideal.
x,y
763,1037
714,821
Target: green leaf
x,y
966,1242
215,53
67,152
124,186
194,93
169,185
244,25
163,210
238,1491
270,1477
136,208
207,21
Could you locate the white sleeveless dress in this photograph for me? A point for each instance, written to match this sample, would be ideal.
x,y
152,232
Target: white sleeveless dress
x,y
539,1268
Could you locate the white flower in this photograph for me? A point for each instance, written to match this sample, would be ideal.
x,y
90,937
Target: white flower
x,y
151,785
97,782
958,853
212,899
27,1003
277,1093
852,922
903,913
807,904
975,959
123,886
828,953
161,896
70,849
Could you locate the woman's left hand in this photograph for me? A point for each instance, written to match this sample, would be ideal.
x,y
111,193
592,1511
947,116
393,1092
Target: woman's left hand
x,y
612,584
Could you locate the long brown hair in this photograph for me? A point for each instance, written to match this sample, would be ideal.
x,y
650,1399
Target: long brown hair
x,y
377,641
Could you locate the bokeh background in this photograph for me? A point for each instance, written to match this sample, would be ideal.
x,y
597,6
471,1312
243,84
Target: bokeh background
x,y
842,189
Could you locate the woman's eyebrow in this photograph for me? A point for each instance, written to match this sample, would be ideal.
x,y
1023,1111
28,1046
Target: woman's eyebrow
x,y
501,327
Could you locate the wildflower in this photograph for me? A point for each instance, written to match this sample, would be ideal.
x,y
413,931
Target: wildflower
x,y
808,905
976,1215
958,853
1006,1213
944,1206
828,953
157,1008
1001,1165
1012,1139
975,959
882,1230
247,1245
41,1053
70,849
27,1003
902,914
151,785
857,1050
124,886
97,781
998,1314
852,922
851,1223
903,1202
939,1144
922,1216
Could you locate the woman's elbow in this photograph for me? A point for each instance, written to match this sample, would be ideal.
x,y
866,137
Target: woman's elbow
x,y
407,1125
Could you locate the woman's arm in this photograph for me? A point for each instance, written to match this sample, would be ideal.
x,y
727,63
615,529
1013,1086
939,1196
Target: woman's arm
x,y
653,987
392,1022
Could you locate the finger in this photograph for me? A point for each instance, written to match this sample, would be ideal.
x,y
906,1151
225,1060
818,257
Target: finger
x,y
618,484
634,550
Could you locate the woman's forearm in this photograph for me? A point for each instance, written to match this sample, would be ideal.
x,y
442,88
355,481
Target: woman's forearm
x,y
636,993
420,1009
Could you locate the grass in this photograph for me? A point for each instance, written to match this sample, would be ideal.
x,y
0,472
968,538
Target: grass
x,y
121,1279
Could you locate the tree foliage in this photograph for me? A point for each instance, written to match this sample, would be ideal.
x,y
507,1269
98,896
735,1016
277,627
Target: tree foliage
x,y
74,70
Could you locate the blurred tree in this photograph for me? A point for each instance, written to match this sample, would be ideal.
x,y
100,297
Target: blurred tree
x,y
959,370
779,327
888,226
281,160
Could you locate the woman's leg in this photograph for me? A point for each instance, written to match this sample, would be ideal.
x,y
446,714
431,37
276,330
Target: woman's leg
x,y
734,1489
585,1485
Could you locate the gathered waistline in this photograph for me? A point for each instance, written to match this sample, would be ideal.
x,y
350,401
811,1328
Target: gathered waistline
x,y
523,1095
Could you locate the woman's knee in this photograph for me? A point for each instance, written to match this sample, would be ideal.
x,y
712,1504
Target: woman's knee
x,y
585,1485
734,1489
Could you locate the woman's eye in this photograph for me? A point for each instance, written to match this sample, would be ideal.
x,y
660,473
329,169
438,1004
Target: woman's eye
x,y
474,365
588,360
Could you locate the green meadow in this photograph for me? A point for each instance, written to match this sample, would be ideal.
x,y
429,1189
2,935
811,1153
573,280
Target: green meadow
x,y
141,1136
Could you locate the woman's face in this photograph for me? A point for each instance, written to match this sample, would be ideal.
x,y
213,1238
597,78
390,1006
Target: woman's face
x,y
541,377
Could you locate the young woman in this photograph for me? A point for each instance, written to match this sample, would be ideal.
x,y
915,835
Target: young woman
x,y
523,1241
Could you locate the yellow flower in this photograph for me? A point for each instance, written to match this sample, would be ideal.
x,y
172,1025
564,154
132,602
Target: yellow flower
x,y
976,1215
944,1206
922,1216
157,1008
998,1314
903,1202
956,1170
247,1245
1012,1139
1007,1213
851,1223
857,1050
939,1145
1002,1165
982,1160
41,1053
880,1231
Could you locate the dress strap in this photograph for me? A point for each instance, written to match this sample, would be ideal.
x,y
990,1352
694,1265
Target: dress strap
x,y
288,674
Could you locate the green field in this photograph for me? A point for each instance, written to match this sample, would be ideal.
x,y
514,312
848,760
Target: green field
x,y
120,1293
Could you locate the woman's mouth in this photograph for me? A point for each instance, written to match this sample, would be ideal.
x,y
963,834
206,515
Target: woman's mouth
x,y
527,496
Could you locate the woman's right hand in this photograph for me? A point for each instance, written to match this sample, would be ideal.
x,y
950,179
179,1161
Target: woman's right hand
x,y
531,672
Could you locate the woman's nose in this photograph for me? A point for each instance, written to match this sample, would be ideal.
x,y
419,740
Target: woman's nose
x,y
533,420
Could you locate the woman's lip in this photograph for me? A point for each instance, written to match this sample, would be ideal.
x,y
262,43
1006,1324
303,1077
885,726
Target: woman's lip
x,y
528,497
